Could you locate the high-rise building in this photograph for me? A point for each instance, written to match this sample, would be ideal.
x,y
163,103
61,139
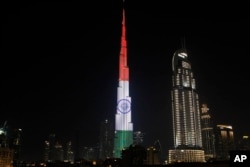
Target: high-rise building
x,y
152,156
16,142
10,145
56,151
90,153
244,143
6,157
52,142
185,112
123,121
68,152
224,141
46,151
106,137
6,152
138,137
207,130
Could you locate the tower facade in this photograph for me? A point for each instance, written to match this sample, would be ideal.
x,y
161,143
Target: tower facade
x,y
106,139
207,130
68,153
6,152
123,121
224,141
185,112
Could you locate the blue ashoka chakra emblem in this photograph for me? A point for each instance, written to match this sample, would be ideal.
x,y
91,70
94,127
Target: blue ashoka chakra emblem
x,y
124,106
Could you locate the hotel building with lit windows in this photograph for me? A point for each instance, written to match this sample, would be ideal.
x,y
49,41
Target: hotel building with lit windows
x,y
185,112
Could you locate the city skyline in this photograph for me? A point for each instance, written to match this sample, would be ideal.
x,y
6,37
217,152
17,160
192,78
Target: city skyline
x,y
60,63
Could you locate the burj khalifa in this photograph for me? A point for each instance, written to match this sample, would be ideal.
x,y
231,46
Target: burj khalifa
x,y
123,120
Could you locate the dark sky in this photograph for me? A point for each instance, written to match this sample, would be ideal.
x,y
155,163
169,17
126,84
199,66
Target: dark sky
x,y
59,65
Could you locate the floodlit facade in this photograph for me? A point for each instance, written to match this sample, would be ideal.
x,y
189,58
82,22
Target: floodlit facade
x,y
207,130
123,120
152,156
185,112
6,157
224,141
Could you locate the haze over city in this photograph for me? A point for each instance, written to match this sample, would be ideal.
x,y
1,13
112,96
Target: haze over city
x,y
59,66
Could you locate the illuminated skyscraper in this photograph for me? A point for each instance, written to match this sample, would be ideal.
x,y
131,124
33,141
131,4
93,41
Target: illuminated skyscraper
x,y
207,130
123,121
185,112
224,141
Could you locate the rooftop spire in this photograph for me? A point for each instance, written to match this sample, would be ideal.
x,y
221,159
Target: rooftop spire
x,y
124,71
183,42
123,22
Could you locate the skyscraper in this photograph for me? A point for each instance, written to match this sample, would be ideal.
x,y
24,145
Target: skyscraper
x,y
123,121
185,112
16,143
10,145
6,152
243,143
207,130
68,152
106,139
51,144
46,151
224,141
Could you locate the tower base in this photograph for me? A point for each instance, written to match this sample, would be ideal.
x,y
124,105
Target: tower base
x,y
186,155
123,139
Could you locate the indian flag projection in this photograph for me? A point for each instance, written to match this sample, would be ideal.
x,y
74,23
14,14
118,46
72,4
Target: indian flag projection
x,y
123,121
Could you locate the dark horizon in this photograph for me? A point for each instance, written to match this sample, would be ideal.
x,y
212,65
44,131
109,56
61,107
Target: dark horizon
x,y
59,65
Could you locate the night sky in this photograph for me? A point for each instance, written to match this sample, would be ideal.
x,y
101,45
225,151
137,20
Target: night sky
x,y
59,65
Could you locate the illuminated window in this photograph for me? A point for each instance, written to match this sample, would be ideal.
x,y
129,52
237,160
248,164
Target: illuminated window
x,y
223,134
231,134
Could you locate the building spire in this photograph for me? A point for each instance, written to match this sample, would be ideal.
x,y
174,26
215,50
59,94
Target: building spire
x,y
123,69
183,42
123,23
